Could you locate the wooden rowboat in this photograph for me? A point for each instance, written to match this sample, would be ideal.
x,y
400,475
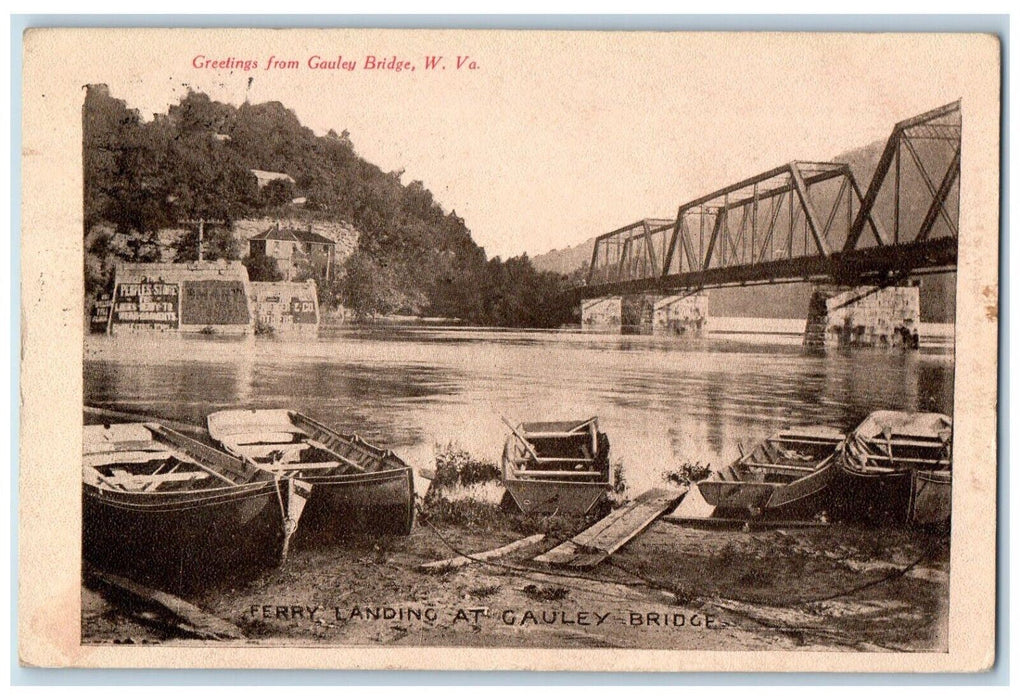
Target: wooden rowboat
x,y
557,467
931,497
357,488
880,458
790,470
158,504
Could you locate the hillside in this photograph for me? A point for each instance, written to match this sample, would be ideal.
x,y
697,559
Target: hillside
x,y
146,184
938,292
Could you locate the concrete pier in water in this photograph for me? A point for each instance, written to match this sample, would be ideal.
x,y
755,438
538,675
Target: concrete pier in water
x,y
864,317
680,314
603,314
645,314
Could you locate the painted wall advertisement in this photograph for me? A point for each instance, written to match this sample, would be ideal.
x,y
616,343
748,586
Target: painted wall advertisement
x,y
149,306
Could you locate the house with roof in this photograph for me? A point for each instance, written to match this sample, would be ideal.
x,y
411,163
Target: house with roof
x,y
296,251
264,177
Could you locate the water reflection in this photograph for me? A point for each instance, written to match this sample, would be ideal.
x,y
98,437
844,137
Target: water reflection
x,y
662,400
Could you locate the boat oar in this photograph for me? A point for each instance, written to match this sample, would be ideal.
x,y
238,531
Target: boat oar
x,y
188,428
524,440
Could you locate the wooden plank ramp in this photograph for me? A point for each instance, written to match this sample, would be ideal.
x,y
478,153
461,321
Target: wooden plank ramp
x,y
596,544
461,561
171,612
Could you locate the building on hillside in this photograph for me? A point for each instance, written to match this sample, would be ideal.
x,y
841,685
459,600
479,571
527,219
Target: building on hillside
x,y
266,176
296,251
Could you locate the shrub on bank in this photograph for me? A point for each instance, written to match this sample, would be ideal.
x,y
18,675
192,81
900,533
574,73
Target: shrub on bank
x,y
687,474
455,467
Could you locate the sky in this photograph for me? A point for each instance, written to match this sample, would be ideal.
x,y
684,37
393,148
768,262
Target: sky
x,y
555,137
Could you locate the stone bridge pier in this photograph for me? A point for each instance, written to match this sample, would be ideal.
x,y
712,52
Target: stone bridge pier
x,y
646,314
864,317
680,314
602,314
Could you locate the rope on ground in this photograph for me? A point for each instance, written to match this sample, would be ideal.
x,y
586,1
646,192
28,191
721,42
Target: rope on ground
x,y
895,573
666,587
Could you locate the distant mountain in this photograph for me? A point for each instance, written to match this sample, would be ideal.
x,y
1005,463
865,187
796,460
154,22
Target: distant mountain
x,y
938,292
566,260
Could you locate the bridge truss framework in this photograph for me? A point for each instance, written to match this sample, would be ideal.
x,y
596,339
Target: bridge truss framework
x,y
803,221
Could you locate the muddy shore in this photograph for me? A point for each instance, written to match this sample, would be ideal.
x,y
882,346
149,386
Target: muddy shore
x,y
675,586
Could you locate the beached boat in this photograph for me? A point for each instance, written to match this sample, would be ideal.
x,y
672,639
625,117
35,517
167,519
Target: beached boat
x,y
161,505
357,488
890,456
931,497
557,467
791,470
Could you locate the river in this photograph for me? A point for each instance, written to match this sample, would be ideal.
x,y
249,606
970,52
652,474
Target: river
x,y
662,400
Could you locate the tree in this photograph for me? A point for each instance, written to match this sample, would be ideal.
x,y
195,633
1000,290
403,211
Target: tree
x,y
262,268
218,243
369,287
277,193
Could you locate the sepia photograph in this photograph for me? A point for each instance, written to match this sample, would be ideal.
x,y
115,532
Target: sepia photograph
x,y
552,341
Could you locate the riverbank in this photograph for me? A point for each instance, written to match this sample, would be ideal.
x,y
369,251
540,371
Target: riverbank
x,y
839,587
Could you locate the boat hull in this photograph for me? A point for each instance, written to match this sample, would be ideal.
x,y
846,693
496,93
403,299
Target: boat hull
x,y
871,497
546,496
183,540
734,495
931,497
375,499
807,494
379,503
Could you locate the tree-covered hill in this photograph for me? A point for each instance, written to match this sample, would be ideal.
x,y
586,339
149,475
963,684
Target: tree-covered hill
x,y
195,162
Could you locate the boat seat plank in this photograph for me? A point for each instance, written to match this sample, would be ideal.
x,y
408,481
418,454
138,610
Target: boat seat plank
x,y
135,457
798,441
538,473
143,482
913,460
933,443
601,540
265,439
346,460
553,435
550,460
781,467
300,466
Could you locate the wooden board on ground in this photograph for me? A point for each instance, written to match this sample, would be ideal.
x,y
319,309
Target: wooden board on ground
x,y
597,543
458,562
171,612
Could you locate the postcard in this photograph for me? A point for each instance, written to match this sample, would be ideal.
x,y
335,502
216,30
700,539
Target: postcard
x,y
519,350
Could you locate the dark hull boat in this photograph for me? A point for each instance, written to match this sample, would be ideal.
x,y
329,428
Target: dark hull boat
x,y
357,488
557,467
790,471
166,508
931,497
896,466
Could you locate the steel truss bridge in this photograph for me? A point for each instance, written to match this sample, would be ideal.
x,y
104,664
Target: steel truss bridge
x,y
803,221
